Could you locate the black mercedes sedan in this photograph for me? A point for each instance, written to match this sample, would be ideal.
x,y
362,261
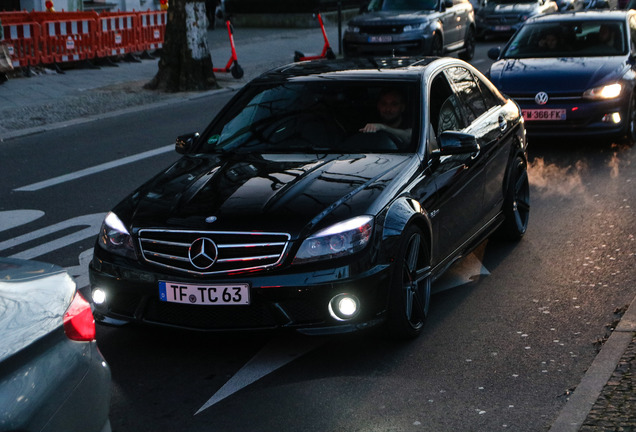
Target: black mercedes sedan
x,y
325,197
572,74
412,28
504,17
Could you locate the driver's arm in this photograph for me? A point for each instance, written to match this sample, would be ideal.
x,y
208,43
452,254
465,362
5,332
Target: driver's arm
x,y
403,134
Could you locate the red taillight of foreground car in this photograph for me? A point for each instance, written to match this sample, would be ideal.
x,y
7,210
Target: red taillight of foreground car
x,y
79,323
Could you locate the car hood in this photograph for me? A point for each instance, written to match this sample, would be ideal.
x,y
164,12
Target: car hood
x,y
390,18
264,192
557,75
500,9
33,299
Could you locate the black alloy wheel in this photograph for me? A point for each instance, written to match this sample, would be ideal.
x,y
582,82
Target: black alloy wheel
x,y
410,287
516,206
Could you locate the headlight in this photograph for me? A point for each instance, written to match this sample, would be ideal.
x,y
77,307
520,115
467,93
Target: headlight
x,y
114,237
413,27
609,91
353,29
338,240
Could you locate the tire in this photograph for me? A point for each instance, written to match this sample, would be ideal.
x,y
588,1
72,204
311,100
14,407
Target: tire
x,y
469,45
437,46
330,54
410,290
516,207
630,129
237,71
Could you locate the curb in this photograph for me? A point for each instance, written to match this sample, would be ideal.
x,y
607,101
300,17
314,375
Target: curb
x,y
575,412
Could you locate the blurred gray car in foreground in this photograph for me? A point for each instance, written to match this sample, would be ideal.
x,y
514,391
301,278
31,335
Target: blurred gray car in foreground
x,y
52,376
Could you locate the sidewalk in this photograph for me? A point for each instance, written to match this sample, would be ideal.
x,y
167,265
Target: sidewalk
x,y
605,400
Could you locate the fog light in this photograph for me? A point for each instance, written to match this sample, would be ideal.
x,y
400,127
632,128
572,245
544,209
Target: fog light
x,y
99,296
344,307
612,118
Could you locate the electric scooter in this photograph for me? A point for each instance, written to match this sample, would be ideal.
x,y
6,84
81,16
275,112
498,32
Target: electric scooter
x,y
232,64
327,52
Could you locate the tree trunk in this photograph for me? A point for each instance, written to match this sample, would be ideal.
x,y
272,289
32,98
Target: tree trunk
x,y
185,63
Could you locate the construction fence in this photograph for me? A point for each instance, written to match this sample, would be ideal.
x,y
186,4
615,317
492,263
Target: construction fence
x,y
45,38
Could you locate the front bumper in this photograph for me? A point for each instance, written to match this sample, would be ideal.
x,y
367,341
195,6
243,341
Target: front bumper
x,y
582,118
360,45
298,301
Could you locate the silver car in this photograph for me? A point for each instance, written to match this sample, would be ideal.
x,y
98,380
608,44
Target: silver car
x,y
52,376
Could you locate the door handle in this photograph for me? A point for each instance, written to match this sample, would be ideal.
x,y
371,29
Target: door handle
x,y
503,124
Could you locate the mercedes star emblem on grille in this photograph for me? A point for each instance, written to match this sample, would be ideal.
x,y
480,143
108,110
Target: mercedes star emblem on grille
x,y
202,253
541,98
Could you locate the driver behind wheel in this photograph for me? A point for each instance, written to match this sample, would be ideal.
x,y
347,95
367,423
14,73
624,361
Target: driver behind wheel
x,y
391,105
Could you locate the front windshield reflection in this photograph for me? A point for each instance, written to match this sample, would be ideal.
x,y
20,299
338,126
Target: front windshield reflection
x,y
402,5
569,39
318,117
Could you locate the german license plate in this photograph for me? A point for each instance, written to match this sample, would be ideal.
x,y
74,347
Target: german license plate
x,y
503,28
543,114
217,294
380,39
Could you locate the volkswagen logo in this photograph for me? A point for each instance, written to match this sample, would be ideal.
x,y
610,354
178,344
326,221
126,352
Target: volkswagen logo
x,y
541,98
202,253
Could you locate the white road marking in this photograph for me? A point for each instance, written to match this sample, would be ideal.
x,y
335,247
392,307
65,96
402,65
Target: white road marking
x,y
462,273
13,218
92,170
92,222
274,355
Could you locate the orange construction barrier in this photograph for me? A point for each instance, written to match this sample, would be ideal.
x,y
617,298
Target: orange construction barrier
x,y
66,40
118,33
14,15
22,41
152,30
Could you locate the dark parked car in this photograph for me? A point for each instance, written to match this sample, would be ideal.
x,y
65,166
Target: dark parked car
x,y
504,17
52,376
284,214
412,28
583,84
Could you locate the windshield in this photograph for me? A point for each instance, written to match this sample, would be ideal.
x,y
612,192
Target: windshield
x,y
317,117
402,5
569,39
508,2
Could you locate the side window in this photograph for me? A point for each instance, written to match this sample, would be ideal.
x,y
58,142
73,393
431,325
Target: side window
x,y
490,99
444,107
470,94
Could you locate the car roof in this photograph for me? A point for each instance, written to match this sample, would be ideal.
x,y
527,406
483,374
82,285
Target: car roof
x,y
399,68
617,15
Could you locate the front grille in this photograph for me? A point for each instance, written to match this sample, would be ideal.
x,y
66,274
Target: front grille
x,y
381,29
503,19
233,251
257,315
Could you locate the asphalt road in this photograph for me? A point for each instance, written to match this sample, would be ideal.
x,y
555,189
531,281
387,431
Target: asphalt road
x,y
501,351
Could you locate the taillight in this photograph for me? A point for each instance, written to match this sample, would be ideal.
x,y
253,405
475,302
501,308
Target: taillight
x,y
79,324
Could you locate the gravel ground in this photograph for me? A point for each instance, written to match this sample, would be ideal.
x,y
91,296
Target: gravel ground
x,y
89,103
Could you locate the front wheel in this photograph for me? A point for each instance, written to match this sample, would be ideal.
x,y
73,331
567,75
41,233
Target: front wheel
x,y
237,71
437,46
469,45
516,206
410,293
630,129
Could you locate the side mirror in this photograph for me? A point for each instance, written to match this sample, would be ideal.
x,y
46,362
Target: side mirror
x,y
185,143
453,143
494,53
